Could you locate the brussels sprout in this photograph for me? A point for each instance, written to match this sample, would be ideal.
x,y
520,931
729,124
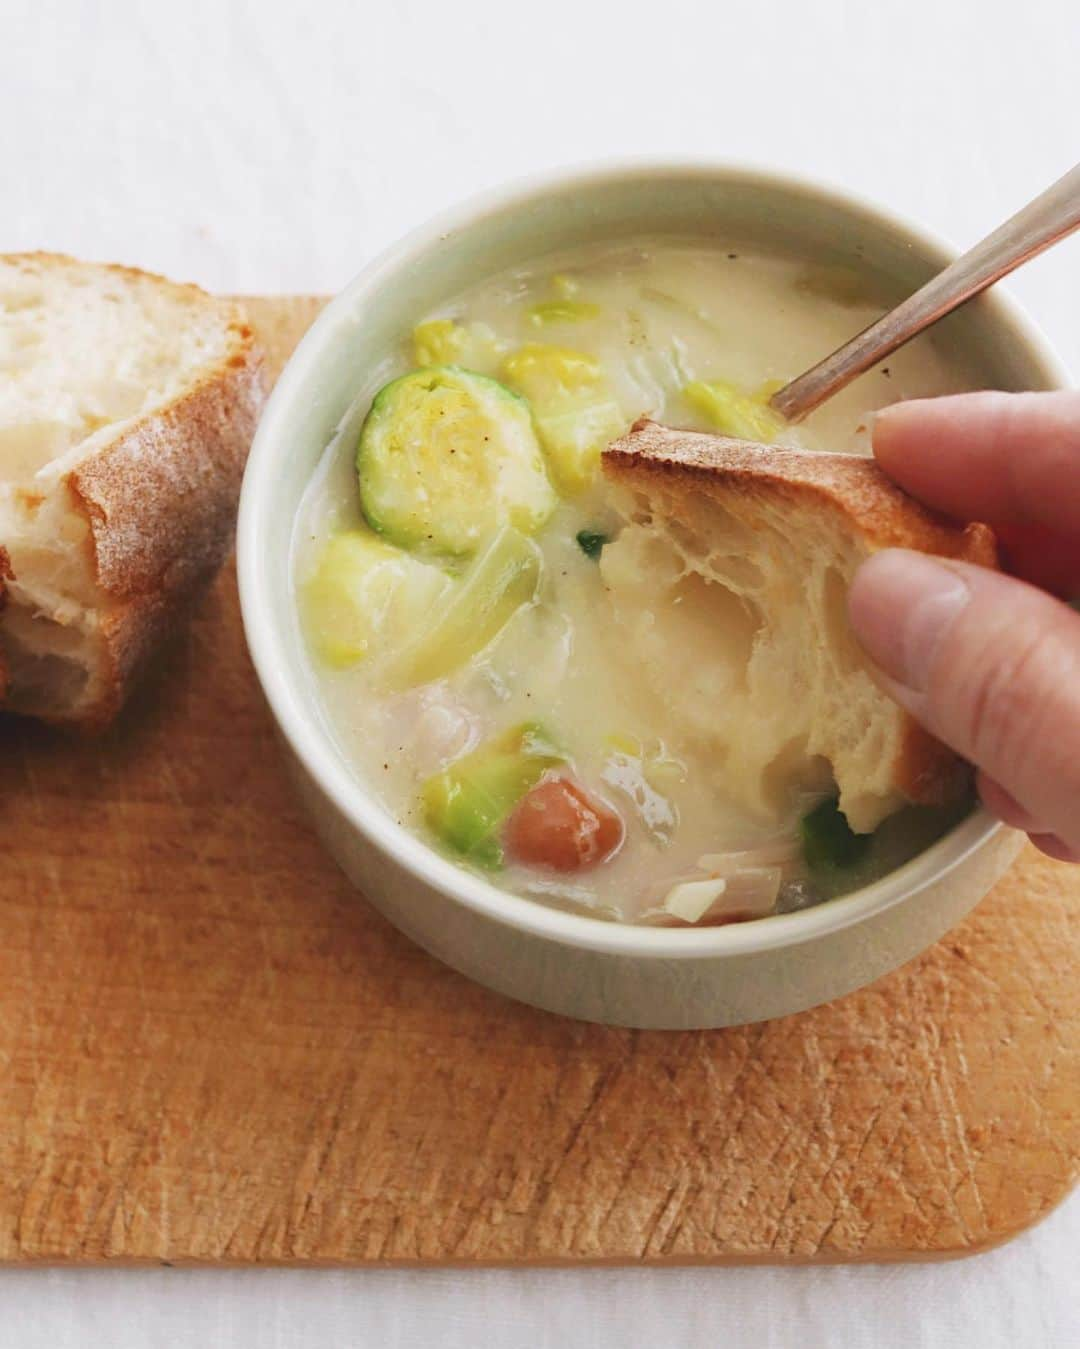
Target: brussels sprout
x,y
467,802
576,415
447,342
547,375
365,595
445,458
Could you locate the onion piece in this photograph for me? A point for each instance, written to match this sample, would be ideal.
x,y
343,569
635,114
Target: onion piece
x,y
777,852
753,891
692,900
750,893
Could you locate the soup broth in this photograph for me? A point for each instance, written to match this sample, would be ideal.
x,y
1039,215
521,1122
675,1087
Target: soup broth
x,y
593,791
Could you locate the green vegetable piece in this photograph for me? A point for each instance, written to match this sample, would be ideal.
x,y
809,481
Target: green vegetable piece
x,y
447,342
468,801
733,412
828,840
562,311
365,595
574,442
502,578
591,542
446,457
548,375
576,415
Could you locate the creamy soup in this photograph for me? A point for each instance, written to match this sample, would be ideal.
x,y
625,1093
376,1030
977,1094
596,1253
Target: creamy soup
x,y
456,561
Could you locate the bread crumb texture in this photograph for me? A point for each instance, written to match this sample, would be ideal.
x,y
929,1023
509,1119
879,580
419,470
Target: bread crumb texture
x,y
730,577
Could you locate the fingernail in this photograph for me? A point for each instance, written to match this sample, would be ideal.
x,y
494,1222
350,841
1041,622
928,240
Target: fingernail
x,y
902,605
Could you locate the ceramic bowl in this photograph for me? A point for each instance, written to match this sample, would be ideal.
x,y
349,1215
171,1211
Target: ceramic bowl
x,y
565,962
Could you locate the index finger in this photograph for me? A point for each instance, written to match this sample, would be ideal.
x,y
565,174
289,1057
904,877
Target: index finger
x,y
1003,458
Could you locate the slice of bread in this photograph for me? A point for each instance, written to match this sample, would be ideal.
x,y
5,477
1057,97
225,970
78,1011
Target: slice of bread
x,y
731,576
126,411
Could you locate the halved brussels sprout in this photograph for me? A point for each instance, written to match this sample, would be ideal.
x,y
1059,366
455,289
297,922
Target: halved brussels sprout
x,y
546,374
365,596
446,457
576,415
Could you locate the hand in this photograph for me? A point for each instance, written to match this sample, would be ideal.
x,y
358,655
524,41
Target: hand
x,y
989,663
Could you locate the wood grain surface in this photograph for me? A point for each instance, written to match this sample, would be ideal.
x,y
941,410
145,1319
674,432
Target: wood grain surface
x,y
211,1049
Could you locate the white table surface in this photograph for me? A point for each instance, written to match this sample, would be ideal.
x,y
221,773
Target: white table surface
x,y
276,147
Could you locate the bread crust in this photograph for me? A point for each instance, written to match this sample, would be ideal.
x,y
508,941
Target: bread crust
x,y
866,504
159,498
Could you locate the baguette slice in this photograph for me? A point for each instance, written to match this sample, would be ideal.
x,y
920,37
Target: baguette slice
x,y
127,407
756,546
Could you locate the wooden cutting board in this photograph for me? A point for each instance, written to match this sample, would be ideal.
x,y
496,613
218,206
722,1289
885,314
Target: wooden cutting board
x,y
211,1049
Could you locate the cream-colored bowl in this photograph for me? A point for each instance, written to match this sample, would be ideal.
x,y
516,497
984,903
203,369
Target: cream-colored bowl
x,y
568,962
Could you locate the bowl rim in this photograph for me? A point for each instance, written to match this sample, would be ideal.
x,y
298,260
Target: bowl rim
x,y
308,738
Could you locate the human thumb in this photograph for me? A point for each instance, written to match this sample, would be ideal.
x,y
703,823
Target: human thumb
x,y
988,664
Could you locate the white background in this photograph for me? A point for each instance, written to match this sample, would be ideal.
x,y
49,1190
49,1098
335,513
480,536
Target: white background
x,y
275,147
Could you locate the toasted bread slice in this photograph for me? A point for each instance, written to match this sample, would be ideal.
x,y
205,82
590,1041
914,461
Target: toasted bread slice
x,y
731,575
125,420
